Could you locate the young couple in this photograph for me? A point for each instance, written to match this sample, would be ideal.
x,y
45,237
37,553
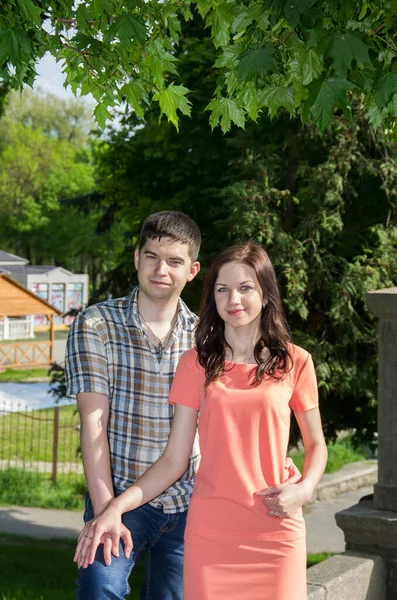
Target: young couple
x,y
147,374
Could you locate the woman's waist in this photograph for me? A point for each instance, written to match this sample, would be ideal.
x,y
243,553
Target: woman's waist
x,y
230,516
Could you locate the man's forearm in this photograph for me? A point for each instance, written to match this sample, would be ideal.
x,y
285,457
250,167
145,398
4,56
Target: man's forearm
x,y
97,468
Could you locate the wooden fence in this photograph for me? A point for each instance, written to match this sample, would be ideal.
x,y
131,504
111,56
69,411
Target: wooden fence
x,y
45,440
26,354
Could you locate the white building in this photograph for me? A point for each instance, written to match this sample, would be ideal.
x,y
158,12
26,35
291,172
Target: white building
x,y
57,286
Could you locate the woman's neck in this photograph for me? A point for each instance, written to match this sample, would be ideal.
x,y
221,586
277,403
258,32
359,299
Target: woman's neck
x,y
242,342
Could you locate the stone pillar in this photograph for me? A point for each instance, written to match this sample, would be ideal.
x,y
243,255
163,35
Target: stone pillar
x,y
371,526
383,304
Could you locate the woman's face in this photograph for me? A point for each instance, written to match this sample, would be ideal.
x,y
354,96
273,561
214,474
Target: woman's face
x,y
238,295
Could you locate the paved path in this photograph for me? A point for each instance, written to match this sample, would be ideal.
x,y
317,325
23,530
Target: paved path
x,y
323,535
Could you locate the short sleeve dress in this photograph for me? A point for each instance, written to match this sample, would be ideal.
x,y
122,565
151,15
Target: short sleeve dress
x,y
233,549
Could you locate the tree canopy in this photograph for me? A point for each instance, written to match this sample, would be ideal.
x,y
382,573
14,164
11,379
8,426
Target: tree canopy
x,y
304,56
324,207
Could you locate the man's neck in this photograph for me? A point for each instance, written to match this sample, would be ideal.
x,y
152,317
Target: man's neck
x,y
155,311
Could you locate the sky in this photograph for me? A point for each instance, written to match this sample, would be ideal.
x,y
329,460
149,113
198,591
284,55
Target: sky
x,y
51,79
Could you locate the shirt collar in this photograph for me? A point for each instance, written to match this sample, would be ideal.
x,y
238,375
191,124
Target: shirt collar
x,y
186,319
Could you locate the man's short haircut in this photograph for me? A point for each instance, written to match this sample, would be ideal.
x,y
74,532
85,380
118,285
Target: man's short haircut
x,y
175,225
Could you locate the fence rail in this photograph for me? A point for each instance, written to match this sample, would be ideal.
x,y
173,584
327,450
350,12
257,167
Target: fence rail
x,y
25,354
46,440
16,329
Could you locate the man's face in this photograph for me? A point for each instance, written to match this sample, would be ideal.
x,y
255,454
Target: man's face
x,y
164,267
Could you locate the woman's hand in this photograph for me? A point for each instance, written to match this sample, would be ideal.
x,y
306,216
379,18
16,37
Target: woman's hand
x,y
106,529
285,499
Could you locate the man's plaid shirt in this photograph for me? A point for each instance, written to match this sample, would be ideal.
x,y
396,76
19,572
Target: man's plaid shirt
x,y
108,352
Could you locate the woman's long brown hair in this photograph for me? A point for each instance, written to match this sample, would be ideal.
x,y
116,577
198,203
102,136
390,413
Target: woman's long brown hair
x,y
210,338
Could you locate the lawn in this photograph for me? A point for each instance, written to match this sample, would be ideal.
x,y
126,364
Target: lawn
x,y
28,435
340,453
22,374
27,488
43,570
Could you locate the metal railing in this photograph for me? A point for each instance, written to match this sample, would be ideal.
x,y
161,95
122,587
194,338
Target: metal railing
x,y
45,441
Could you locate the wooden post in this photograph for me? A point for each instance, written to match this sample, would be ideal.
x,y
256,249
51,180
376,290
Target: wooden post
x,y
52,338
55,445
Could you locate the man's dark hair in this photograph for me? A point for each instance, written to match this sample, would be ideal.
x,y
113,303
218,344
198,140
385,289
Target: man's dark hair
x,y
175,225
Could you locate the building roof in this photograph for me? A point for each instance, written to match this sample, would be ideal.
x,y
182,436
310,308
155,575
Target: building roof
x,y
17,301
11,259
34,269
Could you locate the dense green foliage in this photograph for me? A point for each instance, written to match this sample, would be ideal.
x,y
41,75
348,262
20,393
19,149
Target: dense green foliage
x,y
304,56
324,208
46,172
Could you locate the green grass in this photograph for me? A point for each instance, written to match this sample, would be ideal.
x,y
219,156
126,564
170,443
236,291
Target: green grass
x,y
22,374
28,436
26,488
314,559
44,570
340,453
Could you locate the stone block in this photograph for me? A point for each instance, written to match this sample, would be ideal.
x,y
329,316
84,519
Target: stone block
x,y
347,576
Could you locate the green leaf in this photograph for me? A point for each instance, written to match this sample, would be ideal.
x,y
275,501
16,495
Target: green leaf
x,y
384,87
255,62
15,46
312,65
275,97
130,28
171,99
101,114
227,111
172,22
221,19
204,6
324,97
294,9
277,7
83,15
251,102
246,16
30,11
135,93
228,58
343,48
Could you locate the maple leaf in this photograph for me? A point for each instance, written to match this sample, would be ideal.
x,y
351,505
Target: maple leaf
x,y
171,99
275,97
226,111
134,93
324,97
255,62
343,48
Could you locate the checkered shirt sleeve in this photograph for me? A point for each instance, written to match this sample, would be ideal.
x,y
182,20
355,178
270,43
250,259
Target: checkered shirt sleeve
x,y
86,358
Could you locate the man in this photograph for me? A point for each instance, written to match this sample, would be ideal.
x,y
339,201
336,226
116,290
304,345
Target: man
x,y
121,358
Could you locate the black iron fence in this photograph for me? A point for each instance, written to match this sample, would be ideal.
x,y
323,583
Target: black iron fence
x,y
46,440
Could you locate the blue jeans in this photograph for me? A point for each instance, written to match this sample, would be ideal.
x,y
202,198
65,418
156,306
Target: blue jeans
x,y
155,533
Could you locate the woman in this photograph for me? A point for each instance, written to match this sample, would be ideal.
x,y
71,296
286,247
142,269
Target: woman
x,y
245,534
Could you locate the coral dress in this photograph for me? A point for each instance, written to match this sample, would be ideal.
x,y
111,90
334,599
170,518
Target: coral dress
x,y
233,549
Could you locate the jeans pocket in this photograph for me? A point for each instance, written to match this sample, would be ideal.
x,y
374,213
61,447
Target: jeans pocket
x,y
88,510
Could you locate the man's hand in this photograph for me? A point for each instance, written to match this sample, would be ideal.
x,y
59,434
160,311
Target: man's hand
x,y
106,529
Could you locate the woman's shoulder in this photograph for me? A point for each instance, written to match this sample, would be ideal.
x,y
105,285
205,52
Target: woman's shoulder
x,y
189,358
299,356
